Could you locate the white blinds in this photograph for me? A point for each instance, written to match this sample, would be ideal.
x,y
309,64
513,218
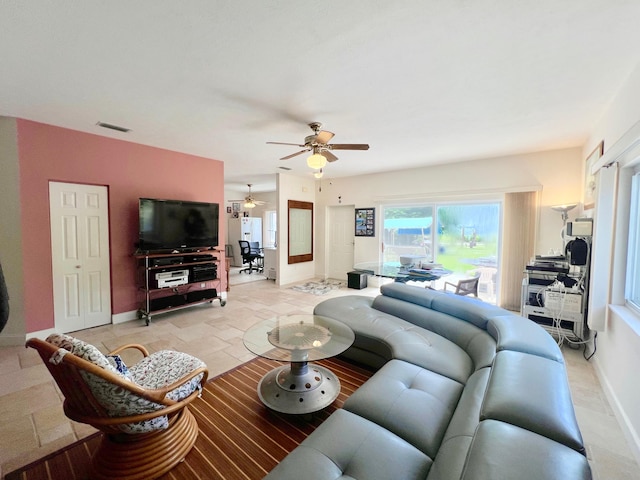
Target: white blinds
x,y
519,233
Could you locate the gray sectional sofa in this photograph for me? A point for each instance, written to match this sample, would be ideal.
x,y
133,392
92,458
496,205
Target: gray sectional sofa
x,y
463,390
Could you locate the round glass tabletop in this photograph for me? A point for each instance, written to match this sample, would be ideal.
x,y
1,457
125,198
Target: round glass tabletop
x,y
298,338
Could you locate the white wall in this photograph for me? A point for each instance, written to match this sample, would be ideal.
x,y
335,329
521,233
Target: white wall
x,y
618,356
291,187
557,173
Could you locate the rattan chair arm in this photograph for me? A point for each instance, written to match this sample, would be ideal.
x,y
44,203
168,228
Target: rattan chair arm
x,y
163,391
137,346
107,421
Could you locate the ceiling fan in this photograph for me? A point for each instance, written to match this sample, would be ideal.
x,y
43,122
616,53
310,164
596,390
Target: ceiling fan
x,y
318,143
249,201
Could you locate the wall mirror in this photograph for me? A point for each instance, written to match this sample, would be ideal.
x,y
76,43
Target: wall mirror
x,y
300,220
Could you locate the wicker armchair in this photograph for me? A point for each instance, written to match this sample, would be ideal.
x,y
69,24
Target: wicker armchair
x,y
141,410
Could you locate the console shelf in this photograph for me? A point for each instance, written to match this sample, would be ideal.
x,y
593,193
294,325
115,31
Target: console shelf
x,y
173,281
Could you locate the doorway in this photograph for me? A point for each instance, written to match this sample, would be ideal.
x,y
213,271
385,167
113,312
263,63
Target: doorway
x,y
341,241
80,255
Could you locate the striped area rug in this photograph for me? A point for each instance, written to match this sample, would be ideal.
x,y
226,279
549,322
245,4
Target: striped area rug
x,y
239,437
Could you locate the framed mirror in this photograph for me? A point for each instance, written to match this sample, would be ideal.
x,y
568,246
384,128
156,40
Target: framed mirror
x,y
300,231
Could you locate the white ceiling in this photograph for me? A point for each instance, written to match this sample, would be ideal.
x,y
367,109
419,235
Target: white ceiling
x,y
421,81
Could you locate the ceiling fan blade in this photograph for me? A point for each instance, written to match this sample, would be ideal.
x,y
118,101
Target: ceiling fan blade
x,y
324,136
282,143
329,156
349,146
295,154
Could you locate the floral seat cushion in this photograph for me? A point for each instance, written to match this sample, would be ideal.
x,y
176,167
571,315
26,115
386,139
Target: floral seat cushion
x,y
165,367
155,371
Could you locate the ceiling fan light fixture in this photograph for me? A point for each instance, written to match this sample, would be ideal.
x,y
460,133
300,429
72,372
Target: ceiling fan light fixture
x,y
249,204
316,161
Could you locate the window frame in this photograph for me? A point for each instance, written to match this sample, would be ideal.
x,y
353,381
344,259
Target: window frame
x,y
632,284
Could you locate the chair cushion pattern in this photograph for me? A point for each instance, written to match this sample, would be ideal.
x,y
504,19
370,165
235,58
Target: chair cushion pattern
x,y
155,371
165,367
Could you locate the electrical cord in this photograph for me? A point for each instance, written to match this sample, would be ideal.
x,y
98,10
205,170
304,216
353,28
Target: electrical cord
x,y
584,352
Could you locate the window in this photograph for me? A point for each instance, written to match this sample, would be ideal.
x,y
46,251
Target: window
x,y
270,229
464,238
632,294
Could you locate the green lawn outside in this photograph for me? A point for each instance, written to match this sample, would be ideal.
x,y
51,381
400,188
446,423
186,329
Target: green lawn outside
x,y
454,253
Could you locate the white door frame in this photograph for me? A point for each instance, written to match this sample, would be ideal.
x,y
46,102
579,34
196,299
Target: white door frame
x,y
340,241
80,259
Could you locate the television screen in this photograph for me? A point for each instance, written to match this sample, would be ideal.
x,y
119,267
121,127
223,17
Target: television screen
x,y
176,224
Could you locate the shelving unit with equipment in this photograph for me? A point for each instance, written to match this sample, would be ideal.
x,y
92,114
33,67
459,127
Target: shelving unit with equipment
x,y
172,281
558,308
555,289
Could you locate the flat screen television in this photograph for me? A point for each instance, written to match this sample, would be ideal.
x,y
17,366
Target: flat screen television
x,y
177,225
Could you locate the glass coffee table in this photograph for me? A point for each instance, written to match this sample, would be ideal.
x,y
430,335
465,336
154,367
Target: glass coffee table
x,y
299,387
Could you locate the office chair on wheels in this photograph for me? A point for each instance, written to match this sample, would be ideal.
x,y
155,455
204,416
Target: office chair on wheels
x,y
250,256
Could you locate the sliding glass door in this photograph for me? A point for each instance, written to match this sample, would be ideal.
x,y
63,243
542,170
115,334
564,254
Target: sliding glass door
x,y
464,238
407,230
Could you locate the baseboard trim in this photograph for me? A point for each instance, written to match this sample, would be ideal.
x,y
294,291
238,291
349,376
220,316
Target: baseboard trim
x,y
41,334
124,317
633,439
12,339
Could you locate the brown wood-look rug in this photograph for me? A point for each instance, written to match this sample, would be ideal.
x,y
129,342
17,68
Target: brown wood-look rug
x,y
239,437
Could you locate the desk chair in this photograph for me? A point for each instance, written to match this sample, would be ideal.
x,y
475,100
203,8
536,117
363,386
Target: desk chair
x,y
256,249
468,286
248,257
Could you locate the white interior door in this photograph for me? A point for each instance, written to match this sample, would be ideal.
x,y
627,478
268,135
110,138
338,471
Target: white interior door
x,y
80,255
341,241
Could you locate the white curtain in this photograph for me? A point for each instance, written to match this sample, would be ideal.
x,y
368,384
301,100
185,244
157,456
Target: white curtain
x,y
518,245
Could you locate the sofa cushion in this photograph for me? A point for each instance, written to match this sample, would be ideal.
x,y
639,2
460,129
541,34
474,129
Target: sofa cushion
x,y
520,334
469,309
533,393
477,343
503,451
347,446
399,394
388,336
449,462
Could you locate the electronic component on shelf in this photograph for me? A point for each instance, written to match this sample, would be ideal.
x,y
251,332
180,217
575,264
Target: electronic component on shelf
x,y
566,301
201,273
172,278
165,261
581,227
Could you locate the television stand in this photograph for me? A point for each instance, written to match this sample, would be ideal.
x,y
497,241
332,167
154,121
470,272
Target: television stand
x,y
173,281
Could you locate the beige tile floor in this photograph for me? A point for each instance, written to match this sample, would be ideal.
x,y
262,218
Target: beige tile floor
x,y
33,423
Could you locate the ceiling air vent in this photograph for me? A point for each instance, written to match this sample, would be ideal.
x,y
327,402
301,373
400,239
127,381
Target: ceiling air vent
x,y
113,127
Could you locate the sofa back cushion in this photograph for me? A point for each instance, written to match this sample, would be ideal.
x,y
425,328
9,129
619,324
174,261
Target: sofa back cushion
x,y
520,334
476,342
533,393
471,310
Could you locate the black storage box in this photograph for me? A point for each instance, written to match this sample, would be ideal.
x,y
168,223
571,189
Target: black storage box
x,y
357,280
162,303
199,295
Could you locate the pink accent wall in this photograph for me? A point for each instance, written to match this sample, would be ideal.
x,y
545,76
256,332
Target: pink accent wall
x,y
129,171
